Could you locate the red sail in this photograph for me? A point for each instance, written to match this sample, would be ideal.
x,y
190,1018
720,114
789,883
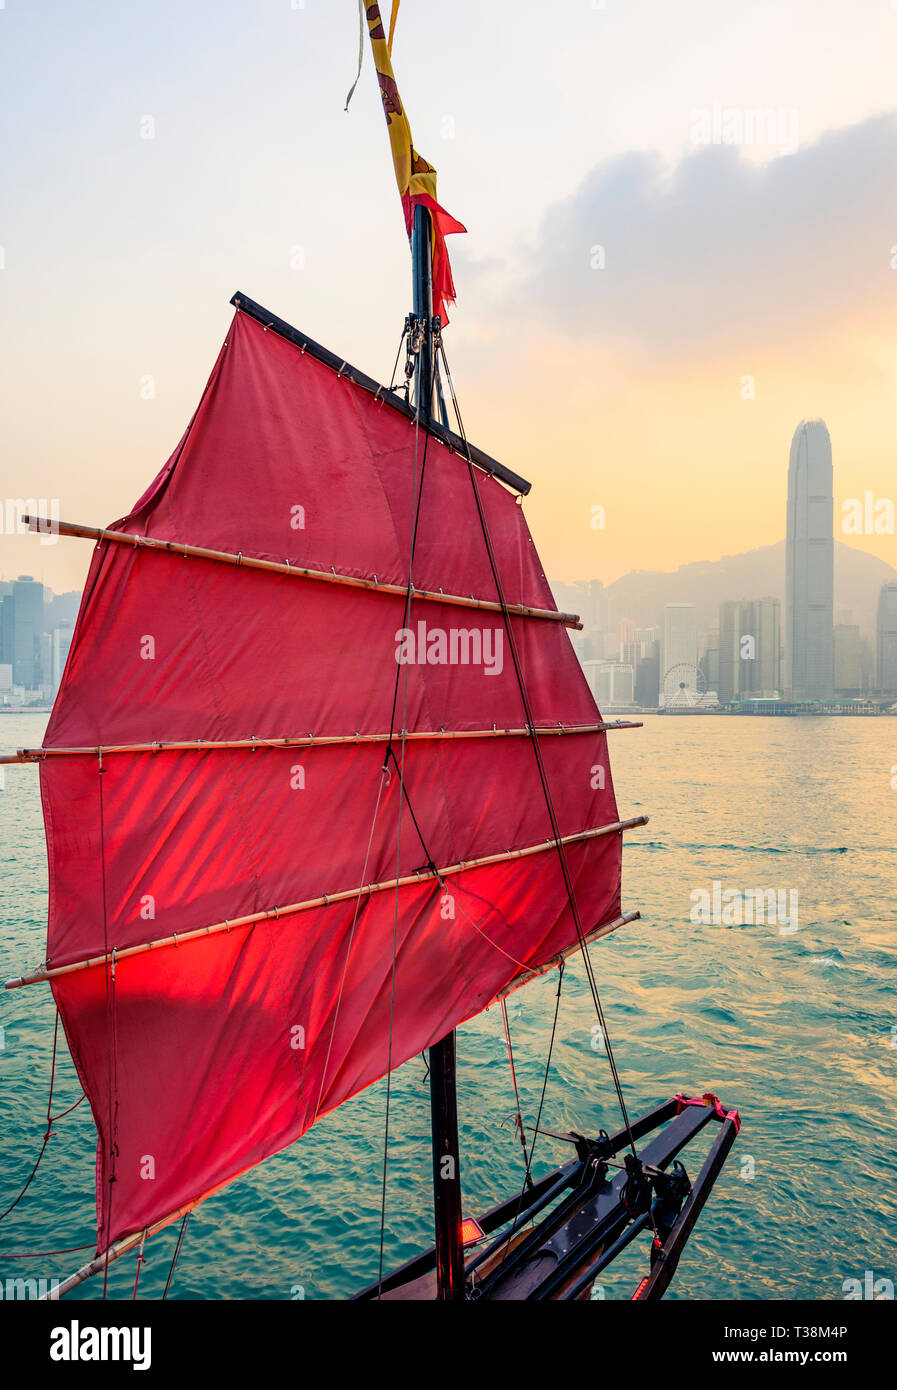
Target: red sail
x,y
202,1058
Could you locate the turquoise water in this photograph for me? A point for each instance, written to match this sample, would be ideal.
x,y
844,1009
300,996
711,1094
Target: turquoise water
x,y
798,1031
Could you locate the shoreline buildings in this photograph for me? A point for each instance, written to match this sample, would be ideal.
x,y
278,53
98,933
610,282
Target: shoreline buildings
x,y
33,645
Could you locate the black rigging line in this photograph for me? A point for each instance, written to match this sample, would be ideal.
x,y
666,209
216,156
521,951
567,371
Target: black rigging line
x,y
409,593
549,803
177,1251
528,1181
518,1115
392,379
49,1130
423,844
554,1028
401,771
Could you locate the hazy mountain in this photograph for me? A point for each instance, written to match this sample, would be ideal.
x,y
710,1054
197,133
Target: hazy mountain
x,y
641,594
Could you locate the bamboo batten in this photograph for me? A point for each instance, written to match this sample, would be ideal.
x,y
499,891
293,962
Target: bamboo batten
x,y
121,1247
178,939
524,977
30,755
226,557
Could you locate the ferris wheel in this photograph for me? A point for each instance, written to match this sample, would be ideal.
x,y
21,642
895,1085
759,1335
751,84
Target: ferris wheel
x,y
683,687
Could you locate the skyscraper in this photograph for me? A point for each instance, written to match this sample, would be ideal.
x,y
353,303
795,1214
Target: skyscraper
x,y
680,646
750,646
886,640
731,626
7,626
28,619
763,678
647,679
809,638
848,678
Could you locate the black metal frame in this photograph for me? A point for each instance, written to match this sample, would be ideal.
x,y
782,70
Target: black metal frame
x,y
390,398
591,1223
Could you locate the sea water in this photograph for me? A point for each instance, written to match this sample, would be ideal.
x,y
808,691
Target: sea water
x,y
795,1028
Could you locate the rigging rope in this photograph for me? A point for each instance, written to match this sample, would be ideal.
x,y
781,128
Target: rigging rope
x,y
49,1130
518,1117
140,1258
521,683
529,1157
417,487
400,767
44,1254
177,1251
339,997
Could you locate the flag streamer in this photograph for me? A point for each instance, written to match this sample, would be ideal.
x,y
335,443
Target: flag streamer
x,y
415,177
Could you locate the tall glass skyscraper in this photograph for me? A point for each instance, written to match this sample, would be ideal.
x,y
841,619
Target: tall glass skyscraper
x,y
809,634
886,644
28,617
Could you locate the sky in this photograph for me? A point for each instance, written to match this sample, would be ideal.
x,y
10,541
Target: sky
x,y
654,289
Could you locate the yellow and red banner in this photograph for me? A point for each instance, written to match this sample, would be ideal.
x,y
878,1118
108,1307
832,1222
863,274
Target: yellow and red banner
x,y
415,177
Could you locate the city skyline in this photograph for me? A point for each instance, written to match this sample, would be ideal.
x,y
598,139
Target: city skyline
x,y
752,655
36,629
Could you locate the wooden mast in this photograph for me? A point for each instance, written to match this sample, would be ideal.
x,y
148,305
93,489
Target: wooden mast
x,y
443,1090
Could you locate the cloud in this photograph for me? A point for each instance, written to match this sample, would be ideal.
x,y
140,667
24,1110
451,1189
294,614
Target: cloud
x,y
721,252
